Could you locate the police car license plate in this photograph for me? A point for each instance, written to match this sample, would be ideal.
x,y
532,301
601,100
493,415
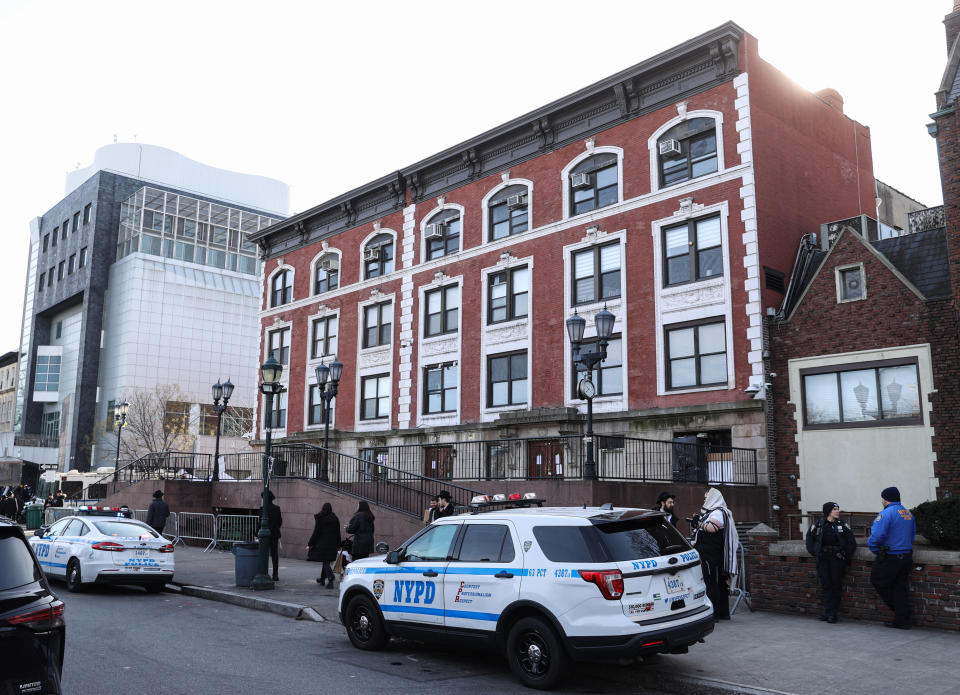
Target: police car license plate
x,y
674,584
141,553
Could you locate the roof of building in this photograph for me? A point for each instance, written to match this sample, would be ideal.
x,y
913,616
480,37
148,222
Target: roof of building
x,y
8,358
922,258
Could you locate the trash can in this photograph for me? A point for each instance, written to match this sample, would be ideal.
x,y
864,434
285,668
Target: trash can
x,y
34,514
245,562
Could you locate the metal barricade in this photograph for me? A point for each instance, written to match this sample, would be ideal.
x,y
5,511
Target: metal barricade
x,y
198,527
741,590
52,514
237,528
171,529
140,515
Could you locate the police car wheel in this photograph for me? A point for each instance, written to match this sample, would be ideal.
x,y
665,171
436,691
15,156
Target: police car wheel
x,y
74,578
535,654
365,628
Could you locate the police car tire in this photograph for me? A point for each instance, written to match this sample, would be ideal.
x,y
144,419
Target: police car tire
x,y
74,577
545,670
370,635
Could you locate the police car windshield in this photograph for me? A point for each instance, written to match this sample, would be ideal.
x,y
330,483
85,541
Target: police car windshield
x,y
119,529
615,541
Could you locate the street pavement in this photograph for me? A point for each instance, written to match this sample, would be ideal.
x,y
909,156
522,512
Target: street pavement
x,y
122,641
753,652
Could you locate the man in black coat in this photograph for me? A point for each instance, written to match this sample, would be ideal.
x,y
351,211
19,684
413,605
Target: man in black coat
x,y
665,505
158,512
275,521
8,506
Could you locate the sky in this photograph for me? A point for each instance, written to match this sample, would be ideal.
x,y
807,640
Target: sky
x,y
327,96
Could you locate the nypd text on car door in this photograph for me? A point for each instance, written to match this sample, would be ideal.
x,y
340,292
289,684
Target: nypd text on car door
x,y
412,591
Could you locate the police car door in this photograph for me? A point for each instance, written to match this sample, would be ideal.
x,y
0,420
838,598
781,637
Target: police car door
x,y
412,591
63,545
45,550
483,576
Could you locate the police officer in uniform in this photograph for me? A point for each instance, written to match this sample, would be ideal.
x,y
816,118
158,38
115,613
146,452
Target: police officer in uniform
x,y
832,543
891,539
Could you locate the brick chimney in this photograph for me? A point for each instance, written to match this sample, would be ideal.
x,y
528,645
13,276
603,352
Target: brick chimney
x,y
952,24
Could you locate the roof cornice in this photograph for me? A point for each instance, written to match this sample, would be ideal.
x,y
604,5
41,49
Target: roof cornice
x,y
691,67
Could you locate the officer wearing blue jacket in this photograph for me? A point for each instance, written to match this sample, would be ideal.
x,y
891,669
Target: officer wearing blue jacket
x,y
891,539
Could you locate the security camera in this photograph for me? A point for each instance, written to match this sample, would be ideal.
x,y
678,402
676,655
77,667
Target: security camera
x,y
752,388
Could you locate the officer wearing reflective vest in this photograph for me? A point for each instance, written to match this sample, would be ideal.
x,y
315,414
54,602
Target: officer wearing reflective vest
x,y
891,539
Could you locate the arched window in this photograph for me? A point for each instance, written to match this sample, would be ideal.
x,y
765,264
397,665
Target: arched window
x,y
326,276
281,289
509,211
378,256
442,234
688,150
593,183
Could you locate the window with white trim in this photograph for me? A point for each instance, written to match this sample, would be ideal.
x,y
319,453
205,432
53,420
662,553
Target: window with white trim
x,y
326,277
594,183
508,293
281,288
687,151
693,251
378,256
509,212
279,345
440,388
277,417
596,273
507,379
442,233
377,324
441,310
47,373
696,354
375,392
324,337
607,376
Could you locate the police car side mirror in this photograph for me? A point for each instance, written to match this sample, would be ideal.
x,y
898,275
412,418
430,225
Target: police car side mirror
x,y
393,557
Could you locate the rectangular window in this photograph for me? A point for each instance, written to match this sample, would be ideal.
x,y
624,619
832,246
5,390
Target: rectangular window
x,y
850,285
324,337
507,295
43,277
868,394
151,244
83,257
375,391
59,331
50,429
327,275
50,276
183,252
46,240
278,415
47,373
315,407
509,212
377,324
596,274
608,375
176,417
692,251
76,224
86,213
449,242
71,264
236,422
507,379
696,354
280,345
442,308
60,267
55,239
440,388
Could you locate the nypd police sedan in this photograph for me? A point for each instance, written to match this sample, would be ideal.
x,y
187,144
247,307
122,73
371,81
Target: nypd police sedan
x,y
104,550
542,586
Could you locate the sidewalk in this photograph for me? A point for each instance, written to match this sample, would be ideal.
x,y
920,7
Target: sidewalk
x,y
752,653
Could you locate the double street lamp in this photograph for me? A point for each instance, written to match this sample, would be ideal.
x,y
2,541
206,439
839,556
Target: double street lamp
x,y
120,419
270,385
220,391
587,362
328,379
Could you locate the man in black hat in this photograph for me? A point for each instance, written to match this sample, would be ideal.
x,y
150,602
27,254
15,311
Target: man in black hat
x,y
891,539
444,507
158,512
832,543
665,504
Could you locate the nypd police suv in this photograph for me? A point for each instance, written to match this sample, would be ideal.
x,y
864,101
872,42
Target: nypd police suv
x,y
543,586
103,546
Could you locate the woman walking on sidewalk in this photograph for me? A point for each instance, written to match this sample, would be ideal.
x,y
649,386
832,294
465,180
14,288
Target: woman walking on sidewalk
x,y
323,544
362,529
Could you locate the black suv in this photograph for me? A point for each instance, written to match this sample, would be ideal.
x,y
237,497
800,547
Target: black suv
x,y
31,619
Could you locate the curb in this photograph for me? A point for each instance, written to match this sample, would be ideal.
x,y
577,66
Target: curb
x,y
287,610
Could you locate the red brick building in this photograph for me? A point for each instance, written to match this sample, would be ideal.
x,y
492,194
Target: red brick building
x,y
673,193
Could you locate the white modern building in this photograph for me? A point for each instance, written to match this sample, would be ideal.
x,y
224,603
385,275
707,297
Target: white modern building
x,y
141,278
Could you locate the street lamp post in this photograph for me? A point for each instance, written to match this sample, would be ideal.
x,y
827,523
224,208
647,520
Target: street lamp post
x,y
270,372
120,421
220,391
328,391
587,362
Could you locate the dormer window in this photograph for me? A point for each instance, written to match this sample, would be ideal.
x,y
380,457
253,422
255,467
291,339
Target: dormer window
x,y
593,183
327,274
509,212
378,256
281,289
687,151
442,233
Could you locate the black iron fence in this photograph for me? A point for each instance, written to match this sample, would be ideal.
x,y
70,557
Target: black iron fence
x,y
563,457
162,465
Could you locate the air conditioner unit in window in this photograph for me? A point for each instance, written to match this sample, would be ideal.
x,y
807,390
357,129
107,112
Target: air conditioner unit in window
x,y
372,254
580,180
328,264
516,201
434,231
670,146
